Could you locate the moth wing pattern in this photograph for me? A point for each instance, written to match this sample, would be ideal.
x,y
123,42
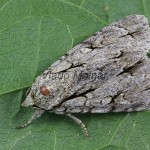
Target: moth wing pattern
x,y
118,54
108,72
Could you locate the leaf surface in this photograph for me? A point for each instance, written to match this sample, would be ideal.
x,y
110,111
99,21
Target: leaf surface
x,y
110,11
34,34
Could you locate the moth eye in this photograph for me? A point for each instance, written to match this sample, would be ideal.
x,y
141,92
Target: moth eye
x,y
44,91
32,95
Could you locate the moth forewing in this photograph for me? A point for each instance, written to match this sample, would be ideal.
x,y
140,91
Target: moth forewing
x,y
108,72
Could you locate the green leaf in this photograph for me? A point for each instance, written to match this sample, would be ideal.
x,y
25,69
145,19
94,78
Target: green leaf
x,y
97,7
112,10
148,54
34,34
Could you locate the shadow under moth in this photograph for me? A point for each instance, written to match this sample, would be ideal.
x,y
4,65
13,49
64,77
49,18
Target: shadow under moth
x,y
108,72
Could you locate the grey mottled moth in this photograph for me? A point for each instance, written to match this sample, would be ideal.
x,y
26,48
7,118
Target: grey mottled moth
x,y
108,72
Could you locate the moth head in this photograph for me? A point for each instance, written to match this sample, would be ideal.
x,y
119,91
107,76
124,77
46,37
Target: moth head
x,y
43,95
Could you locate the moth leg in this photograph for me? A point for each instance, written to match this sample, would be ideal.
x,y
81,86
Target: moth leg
x,y
36,115
28,91
79,122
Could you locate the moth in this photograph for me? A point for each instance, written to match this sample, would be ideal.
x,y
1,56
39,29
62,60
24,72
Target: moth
x,y
108,72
